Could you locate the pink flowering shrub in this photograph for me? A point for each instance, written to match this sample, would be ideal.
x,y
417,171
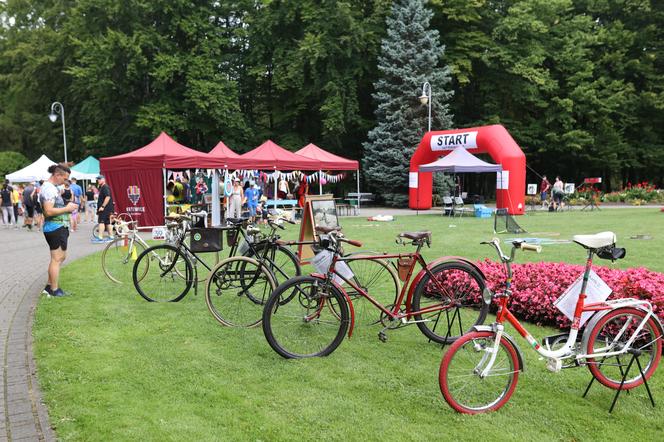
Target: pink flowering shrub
x,y
536,286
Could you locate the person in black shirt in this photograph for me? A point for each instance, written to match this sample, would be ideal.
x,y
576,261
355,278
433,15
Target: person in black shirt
x,y
104,209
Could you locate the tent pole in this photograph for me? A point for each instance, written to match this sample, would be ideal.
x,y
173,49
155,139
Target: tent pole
x,y
357,174
164,194
320,183
216,208
276,179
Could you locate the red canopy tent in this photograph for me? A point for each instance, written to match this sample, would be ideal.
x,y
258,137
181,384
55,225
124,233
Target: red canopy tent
x,y
329,161
137,179
269,155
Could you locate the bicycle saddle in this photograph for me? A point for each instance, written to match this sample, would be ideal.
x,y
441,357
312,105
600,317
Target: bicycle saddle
x,y
415,236
595,241
326,230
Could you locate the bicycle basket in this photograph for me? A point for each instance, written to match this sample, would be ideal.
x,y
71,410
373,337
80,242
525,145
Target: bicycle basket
x,y
206,240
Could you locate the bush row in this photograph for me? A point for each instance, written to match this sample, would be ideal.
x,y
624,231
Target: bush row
x,y
537,285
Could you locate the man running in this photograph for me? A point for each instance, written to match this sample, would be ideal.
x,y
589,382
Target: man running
x,y
56,225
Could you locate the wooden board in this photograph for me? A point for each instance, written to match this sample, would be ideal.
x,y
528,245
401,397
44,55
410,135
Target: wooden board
x,y
318,210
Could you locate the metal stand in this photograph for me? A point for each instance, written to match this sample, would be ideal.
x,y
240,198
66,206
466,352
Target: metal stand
x,y
635,357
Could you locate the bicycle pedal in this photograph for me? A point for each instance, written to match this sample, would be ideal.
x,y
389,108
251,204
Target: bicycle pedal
x,y
382,337
554,365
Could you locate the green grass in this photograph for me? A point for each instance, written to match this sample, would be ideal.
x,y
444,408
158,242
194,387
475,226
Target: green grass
x,y
114,367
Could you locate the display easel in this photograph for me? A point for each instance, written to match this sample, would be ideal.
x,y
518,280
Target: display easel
x,y
308,226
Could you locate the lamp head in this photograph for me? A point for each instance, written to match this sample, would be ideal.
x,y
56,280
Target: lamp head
x,y
424,99
53,117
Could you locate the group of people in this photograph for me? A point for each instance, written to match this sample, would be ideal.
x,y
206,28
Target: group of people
x,y
557,193
22,200
254,195
54,206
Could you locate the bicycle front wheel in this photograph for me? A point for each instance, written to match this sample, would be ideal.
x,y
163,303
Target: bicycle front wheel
x,y
463,382
118,258
449,300
612,333
305,317
167,274
236,290
378,279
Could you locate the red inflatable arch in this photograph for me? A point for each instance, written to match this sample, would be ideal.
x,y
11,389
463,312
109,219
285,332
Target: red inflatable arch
x,y
494,140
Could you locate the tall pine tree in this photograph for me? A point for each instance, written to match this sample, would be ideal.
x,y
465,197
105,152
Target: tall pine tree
x,y
410,55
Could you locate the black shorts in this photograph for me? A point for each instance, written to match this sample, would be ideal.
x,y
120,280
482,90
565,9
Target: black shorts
x,y
57,238
105,216
29,211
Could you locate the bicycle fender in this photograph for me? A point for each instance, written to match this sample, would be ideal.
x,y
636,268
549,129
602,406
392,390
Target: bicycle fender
x,y
592,322
507,337
430,265
348,301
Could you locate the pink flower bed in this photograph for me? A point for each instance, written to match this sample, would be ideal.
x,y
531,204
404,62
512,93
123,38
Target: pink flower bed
x,y
536,286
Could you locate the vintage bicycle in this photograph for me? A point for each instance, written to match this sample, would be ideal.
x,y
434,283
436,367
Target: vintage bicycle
x,y
166,272
309,316
480,370
238,308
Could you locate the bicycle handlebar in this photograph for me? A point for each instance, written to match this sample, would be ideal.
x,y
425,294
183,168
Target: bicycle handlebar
x,y
531,247
351,242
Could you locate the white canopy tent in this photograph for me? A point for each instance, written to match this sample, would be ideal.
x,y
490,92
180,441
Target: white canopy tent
x,y
460,161
37,171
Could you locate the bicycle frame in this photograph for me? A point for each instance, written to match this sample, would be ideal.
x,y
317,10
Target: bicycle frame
x,y
567,351
407,288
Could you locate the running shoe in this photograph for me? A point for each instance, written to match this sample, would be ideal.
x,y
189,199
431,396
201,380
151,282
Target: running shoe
x,y
58,293
47,290
98,241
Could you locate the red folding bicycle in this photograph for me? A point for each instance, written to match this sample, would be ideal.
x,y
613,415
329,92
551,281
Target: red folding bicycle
x,y
480,370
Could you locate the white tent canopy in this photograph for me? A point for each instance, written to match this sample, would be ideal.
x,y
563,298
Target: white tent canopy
x,y
460,161
37,171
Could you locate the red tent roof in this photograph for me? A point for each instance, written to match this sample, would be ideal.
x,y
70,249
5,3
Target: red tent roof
x,y
271,156
163,152
222,150
221,156
328,160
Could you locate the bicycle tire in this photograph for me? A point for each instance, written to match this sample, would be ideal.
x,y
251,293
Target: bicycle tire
x,y
114,249
236,290
164,283
300,324
454,278
376,277
462,365
281,261
649,342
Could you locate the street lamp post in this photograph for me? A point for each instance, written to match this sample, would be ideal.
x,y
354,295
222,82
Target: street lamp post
x,y
58,108
426,98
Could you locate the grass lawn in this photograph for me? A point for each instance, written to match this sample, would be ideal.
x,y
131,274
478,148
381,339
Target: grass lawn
x,y
114,367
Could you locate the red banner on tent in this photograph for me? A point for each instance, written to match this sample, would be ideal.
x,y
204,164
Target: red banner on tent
x,y
592,180
138,193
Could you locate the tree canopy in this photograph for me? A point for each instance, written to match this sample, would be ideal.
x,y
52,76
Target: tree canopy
x,y
578,83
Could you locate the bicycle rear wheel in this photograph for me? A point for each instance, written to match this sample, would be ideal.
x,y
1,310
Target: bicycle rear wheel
x,y
305,317
236,290
167,274
118,258
451,299
460,378
377,278
611,333
281,261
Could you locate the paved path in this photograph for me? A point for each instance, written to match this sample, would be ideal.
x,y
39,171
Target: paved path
x,y
24,258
